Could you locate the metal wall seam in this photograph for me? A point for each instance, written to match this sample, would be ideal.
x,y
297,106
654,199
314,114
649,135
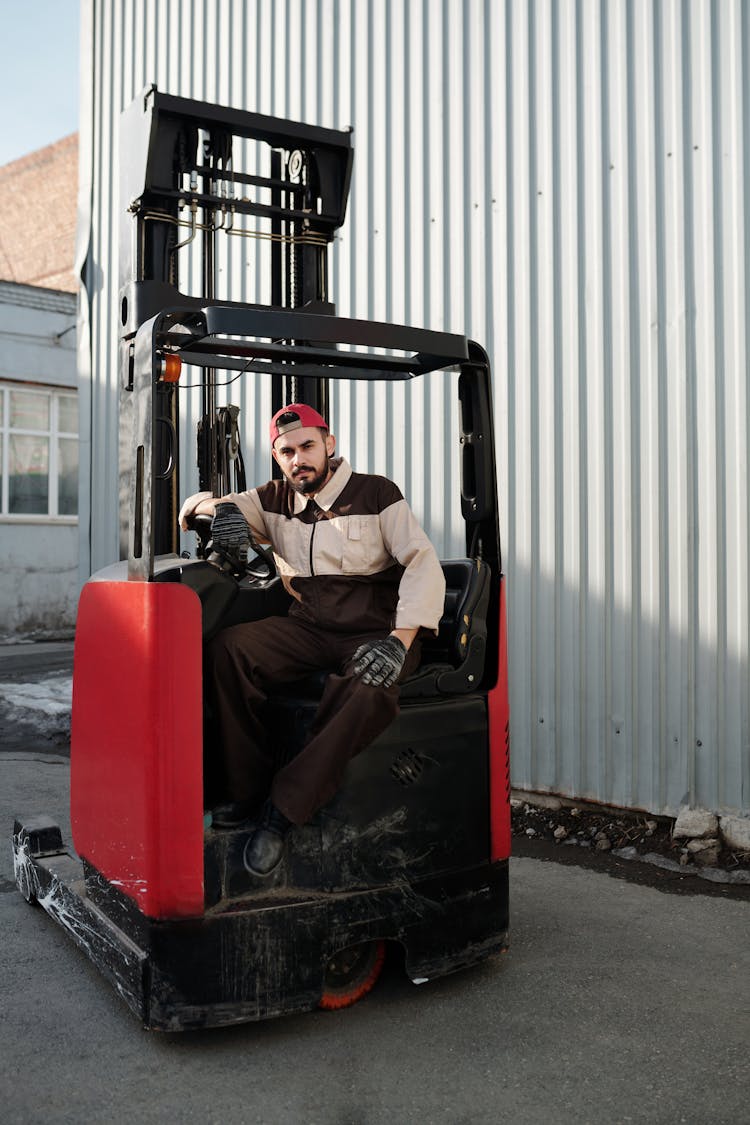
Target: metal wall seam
x,y
733,653
567,466
644,705
740,234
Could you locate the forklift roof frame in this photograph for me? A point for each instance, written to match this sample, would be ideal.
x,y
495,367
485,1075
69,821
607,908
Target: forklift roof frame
x,y
232,337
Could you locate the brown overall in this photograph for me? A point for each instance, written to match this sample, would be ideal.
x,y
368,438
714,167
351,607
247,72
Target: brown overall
x,y
245,662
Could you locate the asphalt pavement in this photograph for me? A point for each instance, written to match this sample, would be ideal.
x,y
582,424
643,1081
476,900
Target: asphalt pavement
x,y
35,659
617,1002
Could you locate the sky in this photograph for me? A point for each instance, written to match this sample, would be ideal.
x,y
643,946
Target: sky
x,y
39,74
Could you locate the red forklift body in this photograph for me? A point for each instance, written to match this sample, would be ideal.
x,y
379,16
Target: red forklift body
x,y
136,754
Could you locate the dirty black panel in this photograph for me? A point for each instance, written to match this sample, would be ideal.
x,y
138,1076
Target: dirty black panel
x,y
300,868
213,868
413,804
56,883
120,908
39,835
469,922
265,954
246,964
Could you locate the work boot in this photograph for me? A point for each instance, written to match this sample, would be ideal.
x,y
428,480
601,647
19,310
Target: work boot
x,y
232,814
265,848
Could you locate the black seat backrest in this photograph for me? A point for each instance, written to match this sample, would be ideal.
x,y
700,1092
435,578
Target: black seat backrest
x,y
453,662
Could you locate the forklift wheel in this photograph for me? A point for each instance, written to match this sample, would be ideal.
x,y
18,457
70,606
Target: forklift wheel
x,y
351,973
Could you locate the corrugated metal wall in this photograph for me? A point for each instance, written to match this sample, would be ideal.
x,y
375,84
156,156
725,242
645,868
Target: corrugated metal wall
x,y
567,182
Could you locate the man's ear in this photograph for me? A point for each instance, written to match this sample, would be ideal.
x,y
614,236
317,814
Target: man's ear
x,y
330,445
274,454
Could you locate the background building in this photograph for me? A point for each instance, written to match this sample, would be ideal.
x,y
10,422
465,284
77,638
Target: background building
x,y
39,580
567,183
38,217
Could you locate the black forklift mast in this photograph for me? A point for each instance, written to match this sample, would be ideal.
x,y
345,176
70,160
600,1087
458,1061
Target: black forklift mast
x,y
181,186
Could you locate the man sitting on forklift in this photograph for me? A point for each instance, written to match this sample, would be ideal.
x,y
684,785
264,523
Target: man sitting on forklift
x,y
364,580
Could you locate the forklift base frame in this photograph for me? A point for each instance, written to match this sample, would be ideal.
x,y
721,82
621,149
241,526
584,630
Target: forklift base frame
x,y
169,914
241,961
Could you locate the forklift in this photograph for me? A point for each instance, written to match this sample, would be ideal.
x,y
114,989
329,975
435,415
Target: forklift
x,y
412,853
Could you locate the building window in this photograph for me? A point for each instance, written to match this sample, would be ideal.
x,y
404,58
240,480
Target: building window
x,y
38,451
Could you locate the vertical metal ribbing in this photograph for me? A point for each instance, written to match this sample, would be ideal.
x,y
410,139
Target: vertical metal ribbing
x,y
566,182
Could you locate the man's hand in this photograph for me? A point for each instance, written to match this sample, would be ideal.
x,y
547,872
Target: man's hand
x,y
230,533
201,503
380,662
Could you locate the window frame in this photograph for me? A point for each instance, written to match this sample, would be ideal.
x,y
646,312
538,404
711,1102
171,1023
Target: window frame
x,y
53,434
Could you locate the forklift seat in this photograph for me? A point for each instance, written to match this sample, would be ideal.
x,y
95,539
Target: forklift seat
x,y
453,661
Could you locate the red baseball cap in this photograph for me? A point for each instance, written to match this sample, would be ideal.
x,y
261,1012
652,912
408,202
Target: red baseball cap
x,y
295,416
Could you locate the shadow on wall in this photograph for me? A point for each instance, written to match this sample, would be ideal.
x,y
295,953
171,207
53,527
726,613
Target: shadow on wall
x,y
610,706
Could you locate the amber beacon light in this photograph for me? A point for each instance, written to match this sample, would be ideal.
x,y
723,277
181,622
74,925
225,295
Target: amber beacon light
x,y
170,368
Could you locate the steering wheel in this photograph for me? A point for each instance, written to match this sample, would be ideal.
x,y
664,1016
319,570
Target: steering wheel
x,y
261,566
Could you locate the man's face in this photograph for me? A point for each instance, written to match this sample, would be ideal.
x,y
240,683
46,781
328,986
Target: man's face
x,y
303,456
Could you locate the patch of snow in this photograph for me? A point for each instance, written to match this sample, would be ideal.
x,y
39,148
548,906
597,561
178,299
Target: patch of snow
x,y
51,697
40,708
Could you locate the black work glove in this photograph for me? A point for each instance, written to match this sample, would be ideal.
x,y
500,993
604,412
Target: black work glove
x,y
380,662
230,534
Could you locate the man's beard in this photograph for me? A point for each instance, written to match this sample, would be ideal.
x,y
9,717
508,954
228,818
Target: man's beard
x,y
311,484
